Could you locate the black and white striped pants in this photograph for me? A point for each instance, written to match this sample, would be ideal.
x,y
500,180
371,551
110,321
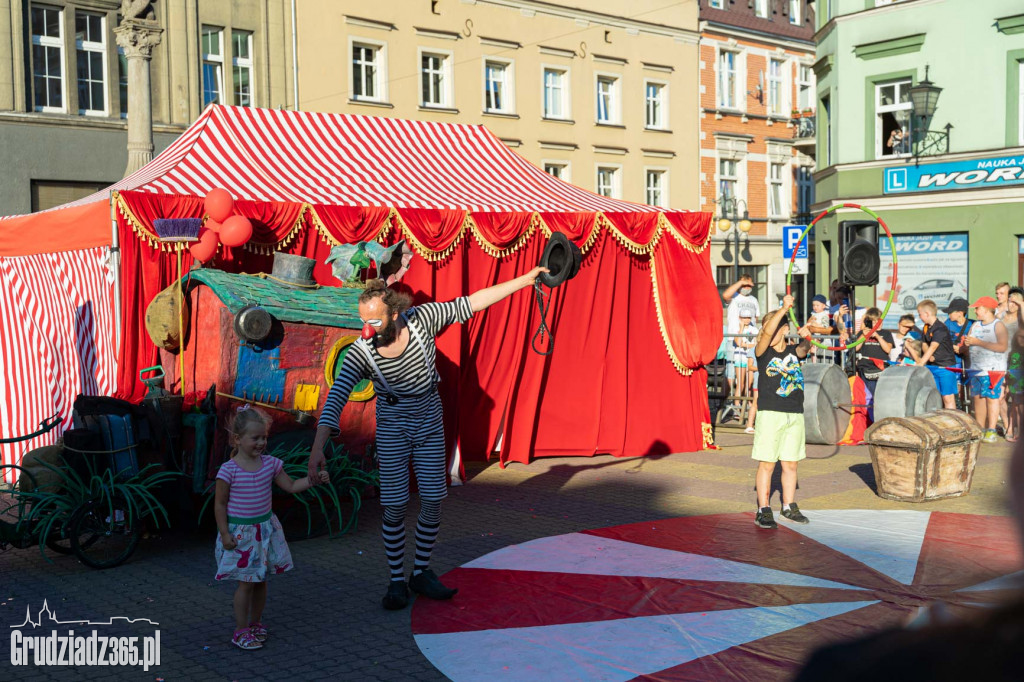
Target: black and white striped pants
x,y
411,430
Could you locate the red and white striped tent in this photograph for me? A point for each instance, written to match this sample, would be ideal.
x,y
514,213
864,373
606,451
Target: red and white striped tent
x,y
472,208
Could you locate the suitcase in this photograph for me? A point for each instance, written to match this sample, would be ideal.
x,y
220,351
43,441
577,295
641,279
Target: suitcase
x,y
118,436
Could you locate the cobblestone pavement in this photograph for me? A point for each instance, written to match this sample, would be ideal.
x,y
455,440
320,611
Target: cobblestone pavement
x,y
325,617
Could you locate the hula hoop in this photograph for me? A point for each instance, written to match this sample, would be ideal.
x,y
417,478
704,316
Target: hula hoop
x,y
892,290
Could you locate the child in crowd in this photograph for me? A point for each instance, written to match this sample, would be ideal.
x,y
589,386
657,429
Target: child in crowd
x,y
251,542
938,353
818,322
780,414
873,354
987,342
752,367
911,348
744,373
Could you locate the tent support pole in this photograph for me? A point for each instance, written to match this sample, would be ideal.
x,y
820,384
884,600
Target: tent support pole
x,y
115,265
295,63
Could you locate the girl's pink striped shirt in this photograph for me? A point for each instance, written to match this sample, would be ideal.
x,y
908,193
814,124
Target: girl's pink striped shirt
x,y
250,493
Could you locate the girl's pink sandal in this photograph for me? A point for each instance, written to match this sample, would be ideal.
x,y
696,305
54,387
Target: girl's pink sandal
x,y
244,639
258,631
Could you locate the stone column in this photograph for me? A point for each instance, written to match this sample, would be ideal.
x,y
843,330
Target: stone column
x,y
138,37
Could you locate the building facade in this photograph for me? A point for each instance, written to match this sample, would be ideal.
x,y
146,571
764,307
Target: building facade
x,y
580,89
949,182
757,156
63,84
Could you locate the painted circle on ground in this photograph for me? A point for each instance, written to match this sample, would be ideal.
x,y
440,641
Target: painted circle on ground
x,y
687,598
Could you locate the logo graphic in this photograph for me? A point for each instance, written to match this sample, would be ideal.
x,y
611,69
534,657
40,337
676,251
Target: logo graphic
x,y
895,179
791,372
68,649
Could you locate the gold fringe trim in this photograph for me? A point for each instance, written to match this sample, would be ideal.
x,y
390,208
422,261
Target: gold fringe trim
x,y
267,248
425,253
495,252
387,226
685,371
140,230
707,434
666,226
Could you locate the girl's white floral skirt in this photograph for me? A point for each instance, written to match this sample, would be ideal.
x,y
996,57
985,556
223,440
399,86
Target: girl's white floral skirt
x,y
261,550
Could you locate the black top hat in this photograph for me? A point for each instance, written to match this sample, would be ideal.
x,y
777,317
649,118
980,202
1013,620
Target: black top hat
x,y
562,258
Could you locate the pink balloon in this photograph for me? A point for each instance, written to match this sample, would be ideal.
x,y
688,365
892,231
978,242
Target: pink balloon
x,y
219,204
235,231
204,249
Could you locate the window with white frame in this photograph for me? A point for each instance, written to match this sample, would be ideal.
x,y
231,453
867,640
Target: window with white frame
x,y
776,87
776,205
557,169
241,67
91,61
656,101
728,79
368,72
761,8
498,87
48,58
1020,102
556,93
609,104
609,182
435,79
794,12
805,88
717,4
892,118
656,186
728,178
122,81
213,65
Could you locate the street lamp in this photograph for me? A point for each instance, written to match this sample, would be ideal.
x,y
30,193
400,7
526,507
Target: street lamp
x,y
924,98
730,213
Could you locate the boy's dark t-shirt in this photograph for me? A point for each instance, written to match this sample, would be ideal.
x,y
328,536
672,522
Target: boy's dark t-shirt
x,y
780,380
871,350
939,333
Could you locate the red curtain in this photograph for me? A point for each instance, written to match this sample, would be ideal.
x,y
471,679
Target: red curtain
x,y
608,387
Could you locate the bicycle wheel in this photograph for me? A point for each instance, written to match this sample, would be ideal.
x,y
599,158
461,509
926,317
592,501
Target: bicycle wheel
x,y
104,535
59,537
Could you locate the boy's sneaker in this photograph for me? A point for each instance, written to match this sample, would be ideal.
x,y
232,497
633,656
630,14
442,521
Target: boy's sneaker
x,y
765,518
990,436
793,514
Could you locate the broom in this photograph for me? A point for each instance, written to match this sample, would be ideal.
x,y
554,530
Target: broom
x,y
179,231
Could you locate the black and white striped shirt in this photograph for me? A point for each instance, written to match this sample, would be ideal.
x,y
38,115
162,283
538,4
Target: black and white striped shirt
x,y
406,375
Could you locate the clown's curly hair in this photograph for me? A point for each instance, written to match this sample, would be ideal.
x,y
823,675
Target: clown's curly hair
x,y
395,301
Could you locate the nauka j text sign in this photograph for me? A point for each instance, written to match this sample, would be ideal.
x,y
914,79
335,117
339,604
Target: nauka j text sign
x,y
953,175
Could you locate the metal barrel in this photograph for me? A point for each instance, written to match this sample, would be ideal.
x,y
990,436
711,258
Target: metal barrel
x,y
905,391
826,403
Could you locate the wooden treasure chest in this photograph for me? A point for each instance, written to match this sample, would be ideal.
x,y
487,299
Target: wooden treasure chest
x,y
928,457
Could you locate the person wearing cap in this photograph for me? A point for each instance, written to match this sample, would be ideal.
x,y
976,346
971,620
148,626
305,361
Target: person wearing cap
x,y
742,345
958,325
818,321
938,355
738,295
987,342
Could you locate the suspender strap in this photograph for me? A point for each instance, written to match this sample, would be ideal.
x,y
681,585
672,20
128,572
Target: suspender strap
x,y
382,383
364,346
423,348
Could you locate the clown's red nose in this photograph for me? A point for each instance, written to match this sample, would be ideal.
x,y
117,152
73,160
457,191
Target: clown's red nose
x,y
368,332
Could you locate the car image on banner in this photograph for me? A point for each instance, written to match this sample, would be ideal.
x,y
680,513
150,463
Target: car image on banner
x,y
931,267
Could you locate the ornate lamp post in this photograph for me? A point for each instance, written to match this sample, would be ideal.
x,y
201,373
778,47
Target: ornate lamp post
x,y
730,213
924,97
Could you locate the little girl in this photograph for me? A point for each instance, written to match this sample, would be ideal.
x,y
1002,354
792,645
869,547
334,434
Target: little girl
x,y
251,542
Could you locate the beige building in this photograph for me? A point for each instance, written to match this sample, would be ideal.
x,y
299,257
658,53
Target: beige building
x,y
63,84
606,101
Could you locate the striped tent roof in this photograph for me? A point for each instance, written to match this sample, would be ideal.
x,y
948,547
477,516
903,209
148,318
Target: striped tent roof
x,y
350,160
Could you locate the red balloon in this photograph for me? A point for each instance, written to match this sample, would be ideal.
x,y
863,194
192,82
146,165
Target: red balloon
x,y
219,204
213,225
204,249
235,231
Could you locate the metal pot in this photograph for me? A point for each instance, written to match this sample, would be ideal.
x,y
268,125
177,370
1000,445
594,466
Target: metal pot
x,y
252,324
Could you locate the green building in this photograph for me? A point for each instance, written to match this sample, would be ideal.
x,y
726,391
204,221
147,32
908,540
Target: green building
x,y
950,186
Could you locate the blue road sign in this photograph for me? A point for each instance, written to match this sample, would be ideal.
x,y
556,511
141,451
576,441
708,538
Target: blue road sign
x,y
790,236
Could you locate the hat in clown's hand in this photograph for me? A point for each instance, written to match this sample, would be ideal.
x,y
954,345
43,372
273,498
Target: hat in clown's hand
x,y
562,258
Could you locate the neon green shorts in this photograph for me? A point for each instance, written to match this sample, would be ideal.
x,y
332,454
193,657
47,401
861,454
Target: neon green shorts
x,y
778,436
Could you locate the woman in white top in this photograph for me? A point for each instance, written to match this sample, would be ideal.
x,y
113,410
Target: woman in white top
x,y
987,343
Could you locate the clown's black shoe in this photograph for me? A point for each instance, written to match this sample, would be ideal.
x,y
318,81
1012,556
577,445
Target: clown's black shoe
x,y
427,584
397,596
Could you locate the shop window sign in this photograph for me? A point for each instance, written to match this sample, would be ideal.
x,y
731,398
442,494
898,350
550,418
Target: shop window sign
x,y
955,175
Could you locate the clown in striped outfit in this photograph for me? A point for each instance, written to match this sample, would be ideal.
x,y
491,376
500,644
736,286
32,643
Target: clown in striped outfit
x,y
400,360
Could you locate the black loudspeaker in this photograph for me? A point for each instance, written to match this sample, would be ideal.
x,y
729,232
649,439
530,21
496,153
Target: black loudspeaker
x,y
858,253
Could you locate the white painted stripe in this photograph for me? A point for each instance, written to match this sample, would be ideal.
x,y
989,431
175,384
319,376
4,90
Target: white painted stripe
x,y
1013,581
888,540
612,650
583,554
